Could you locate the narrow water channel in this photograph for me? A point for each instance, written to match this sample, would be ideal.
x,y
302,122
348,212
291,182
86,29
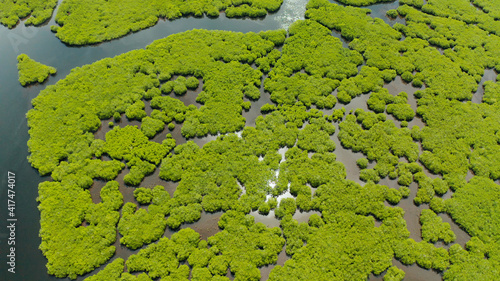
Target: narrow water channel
x,y
41,45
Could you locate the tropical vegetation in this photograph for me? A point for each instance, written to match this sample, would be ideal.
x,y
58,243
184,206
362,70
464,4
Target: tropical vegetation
x,y
285,162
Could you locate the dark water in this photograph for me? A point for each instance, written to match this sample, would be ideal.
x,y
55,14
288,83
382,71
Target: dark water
x,y
41,45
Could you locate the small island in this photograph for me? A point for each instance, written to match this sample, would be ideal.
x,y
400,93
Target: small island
x,y
31,71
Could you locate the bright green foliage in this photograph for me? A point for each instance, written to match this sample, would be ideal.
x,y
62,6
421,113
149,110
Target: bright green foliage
x,y
201,256
114,271
367,175
393,196
425,254
276,36
178,86
489,6
266,108
316,221
117,117
71,248
381,141
296,234
115,84
143,195
142,155
405,172
379,99
491,92
240,234
102,98
401,111
31,71
434,229
475,208
151,93
129,143
272,132
472,51
136,111
299,170
405,191
168,109
396,105
473,264
82,173
449,73
349,247
394,274
311,47
438,205
82,23
210,175
414,3
440,186
362,2
162,259
453,129
192,83
287,206
373,38
407,76
38,10
200,274
426,189
189,213
369,79
362,163
150,127
160,203
349,196
392,13
315,136
264,209
464,11
138,170
235,173
307,89
338,114
222,98
139,227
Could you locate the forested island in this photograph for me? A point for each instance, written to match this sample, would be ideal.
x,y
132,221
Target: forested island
x,y
31,71
356,229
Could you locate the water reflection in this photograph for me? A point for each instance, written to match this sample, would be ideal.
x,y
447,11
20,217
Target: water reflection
x,y
290,12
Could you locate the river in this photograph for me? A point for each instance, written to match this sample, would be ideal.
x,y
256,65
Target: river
x,y
41,45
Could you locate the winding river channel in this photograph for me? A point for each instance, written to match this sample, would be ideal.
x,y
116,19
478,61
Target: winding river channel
x,y
41,45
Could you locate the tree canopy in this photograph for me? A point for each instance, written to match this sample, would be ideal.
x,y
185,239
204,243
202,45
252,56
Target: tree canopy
x,y
11,11
288,161
90,22
31,71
